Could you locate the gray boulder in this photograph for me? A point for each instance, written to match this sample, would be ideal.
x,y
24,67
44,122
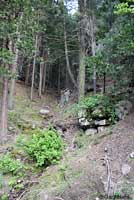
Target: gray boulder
x,y
101,122
83,122
44,111
10,128
91,131
131,155
97,113
123,108
125,169
82,113
101,129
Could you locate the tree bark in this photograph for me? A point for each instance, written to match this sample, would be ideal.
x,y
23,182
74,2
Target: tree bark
x,y
81,75
82,51
87,40
67,57
12,83
104,83
27,74
14,69
59,77
44,77
93,46
4,119
34,64
41,78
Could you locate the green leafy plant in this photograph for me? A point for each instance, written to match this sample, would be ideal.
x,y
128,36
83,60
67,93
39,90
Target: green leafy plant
x,y
125,7
8,164
14,117
19,186
117,195
12,182
98,105
4,197
45,146
62,170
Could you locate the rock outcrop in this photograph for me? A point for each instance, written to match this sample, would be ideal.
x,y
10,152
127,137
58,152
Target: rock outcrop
x,y
99,117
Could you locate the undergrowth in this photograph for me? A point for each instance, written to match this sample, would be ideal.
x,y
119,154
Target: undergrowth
x,y
45,147
9,164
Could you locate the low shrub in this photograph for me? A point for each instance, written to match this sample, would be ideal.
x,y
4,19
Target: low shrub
x,y
4,197
8,164
99,106
45,146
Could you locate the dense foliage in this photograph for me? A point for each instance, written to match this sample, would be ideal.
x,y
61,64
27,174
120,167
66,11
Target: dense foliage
x,y
45,147
99,107
114,57
9,164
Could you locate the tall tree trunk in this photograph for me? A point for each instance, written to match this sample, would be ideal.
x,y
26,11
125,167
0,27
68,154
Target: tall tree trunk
x,y
59,77
93,46
12,83
87,40
41,78
4,102
14,70
82,51
50,76
4,112
104,83
67,57
27,74
34,64
44,77
81,75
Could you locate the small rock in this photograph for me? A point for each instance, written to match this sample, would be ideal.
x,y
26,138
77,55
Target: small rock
x,y
19,181
125,169
91,131
44,111
101,129
131,155
82,113
122,109
10,128
106,149
97,113
44,196
62,126
60,132
101,122
83,122
33,126
121,112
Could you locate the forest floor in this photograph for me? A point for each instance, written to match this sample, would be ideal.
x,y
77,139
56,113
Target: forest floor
x,y
89,164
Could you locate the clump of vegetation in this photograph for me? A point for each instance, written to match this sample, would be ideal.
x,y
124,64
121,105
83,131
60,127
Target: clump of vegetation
x,y
4,197
9,165
99,106
12,182
14,117
45,146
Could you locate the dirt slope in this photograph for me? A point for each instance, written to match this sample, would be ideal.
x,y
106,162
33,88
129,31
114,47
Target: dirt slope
x,y
86,172
116,147
83,172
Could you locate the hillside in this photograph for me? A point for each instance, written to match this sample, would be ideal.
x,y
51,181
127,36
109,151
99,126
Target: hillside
x,y
89,162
